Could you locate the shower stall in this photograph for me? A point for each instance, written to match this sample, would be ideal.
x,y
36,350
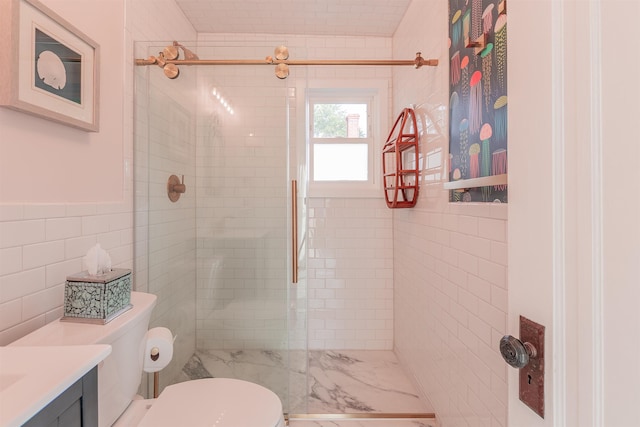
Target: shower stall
x,y
226,252
220,258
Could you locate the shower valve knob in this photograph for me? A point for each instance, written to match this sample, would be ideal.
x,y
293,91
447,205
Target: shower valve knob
x,y
515,352
180,188
175,188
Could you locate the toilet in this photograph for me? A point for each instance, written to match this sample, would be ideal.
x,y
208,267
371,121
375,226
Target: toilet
x,y
219,402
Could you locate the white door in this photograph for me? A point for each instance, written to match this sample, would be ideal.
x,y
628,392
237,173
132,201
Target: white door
x,y
574,205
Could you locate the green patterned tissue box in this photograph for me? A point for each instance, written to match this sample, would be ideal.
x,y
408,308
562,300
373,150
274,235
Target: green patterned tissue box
x,y
97,299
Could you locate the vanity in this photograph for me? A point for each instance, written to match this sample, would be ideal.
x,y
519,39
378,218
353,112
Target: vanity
x,y
50,385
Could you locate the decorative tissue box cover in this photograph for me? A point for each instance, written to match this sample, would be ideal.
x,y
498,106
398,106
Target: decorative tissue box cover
x,y
97,299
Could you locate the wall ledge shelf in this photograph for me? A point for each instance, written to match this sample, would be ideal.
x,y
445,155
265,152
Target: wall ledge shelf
x,y
484,181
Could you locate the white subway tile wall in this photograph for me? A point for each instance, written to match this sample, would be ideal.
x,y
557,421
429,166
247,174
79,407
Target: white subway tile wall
x,y
40,245
450,259
350,274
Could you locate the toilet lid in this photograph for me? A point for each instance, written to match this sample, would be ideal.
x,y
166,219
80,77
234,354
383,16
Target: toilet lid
x,y
214,402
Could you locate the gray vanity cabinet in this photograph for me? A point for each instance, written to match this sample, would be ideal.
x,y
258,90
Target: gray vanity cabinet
x,y
77,406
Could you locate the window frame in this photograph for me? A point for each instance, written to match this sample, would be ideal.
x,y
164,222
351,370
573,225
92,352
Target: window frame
x,y
374,93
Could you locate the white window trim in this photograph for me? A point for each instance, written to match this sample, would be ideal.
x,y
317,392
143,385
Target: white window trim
x,y
378,91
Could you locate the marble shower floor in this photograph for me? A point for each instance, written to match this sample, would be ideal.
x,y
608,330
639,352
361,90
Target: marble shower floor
x,y
362,423
339,382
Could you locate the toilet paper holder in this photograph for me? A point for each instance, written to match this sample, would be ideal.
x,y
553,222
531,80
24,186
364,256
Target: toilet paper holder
x,y
154,355
158,353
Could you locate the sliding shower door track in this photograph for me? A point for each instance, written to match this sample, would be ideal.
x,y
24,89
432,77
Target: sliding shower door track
x,y
366,415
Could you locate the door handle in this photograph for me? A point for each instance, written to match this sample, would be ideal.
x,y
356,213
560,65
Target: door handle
x,y
527,355
515,352
294,231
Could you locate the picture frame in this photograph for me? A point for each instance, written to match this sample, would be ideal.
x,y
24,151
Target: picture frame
x,y
48,67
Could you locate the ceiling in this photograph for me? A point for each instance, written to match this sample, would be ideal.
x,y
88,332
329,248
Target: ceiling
x,y
305,17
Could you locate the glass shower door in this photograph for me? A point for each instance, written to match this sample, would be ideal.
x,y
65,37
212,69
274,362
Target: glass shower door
x,y
247,318
248,313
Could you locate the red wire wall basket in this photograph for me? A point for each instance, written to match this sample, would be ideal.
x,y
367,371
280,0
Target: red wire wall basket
x,y
400,164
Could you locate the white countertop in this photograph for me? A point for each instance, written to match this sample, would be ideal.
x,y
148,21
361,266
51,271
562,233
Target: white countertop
x,y
31,377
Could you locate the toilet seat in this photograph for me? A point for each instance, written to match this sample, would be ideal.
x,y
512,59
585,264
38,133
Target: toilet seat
x,y
219,402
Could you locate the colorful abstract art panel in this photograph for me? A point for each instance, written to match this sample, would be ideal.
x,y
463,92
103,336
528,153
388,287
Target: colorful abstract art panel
x,y
478,96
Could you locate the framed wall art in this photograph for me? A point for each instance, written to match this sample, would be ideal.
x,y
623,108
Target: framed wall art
x,y
48,67
478,101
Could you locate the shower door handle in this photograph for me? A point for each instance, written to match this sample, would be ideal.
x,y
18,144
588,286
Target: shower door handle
x,y
294,231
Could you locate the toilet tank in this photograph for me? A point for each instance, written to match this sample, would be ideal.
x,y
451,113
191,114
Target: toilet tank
x,y
120,374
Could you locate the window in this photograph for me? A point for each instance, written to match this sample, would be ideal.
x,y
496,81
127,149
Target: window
x,y
343,142
340,140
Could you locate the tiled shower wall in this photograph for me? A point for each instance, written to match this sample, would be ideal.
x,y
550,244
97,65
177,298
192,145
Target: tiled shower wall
x,y
42,244
351,289
450,259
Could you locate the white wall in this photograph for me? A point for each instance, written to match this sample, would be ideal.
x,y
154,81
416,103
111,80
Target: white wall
x,y
619,399
66,165
63,189
450,259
